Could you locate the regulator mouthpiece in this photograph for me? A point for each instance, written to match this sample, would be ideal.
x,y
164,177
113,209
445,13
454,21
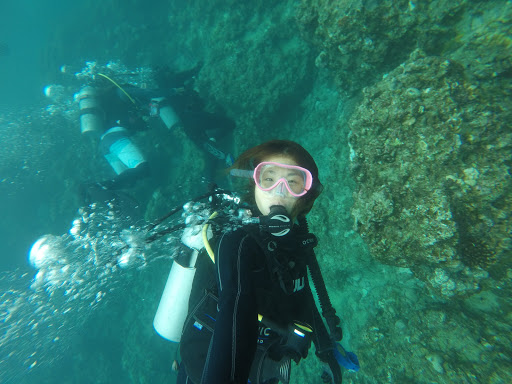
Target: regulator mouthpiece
x,y
277,222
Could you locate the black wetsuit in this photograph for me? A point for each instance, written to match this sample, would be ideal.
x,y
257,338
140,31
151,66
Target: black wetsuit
x,y
247,284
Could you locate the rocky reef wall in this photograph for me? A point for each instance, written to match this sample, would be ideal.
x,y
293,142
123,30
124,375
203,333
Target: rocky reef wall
x,y
360,40
255,63
429,153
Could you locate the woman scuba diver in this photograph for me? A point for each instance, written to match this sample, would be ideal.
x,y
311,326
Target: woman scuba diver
x,y
253,310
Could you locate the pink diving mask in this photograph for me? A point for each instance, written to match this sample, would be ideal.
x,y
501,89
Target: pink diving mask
x,y
269,175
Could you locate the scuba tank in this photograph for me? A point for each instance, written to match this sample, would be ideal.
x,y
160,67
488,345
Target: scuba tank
x,y
121,153
173,307
160,106
91,114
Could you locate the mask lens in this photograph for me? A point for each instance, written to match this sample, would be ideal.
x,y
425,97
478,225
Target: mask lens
x,y
268,176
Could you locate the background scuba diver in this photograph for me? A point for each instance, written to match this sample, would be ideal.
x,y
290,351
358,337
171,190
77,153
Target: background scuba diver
x,y
112,112
261,272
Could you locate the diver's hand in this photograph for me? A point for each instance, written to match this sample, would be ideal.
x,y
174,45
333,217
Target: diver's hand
x,y
332,372
333,322
195,217
192,237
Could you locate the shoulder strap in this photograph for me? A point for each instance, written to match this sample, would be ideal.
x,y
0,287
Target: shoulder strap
x,y
328,311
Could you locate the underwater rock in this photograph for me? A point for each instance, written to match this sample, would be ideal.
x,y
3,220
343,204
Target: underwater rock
x,y
483,42
359,41
433,174
437,362
255,63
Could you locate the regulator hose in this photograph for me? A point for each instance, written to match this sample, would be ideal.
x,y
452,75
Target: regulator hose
x,y
328,311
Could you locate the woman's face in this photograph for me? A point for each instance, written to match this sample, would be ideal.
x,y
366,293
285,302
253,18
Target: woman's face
x,y
278,195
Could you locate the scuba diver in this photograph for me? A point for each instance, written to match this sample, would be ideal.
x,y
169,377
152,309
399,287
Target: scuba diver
x,y
111,113
245,316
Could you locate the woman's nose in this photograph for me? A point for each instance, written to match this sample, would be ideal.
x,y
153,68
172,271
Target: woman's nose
x,y
280,189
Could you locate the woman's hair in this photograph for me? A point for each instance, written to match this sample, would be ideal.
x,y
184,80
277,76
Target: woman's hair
x,y
253,156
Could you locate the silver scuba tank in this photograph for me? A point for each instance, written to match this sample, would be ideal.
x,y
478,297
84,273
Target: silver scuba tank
x,y
159,107
91,119
173,308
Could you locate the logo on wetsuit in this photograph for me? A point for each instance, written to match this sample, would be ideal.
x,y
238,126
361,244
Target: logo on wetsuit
x,y
308,241
264,333
298,284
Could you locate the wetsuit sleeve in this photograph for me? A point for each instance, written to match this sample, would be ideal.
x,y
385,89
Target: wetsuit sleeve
x,y
235,335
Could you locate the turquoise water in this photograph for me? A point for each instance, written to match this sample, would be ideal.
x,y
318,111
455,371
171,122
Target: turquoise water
x,y
404,105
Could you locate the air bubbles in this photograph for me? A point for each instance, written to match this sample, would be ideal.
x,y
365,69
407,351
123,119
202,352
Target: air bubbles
x,y
38,252
75,273
192,219
76,228
44,251
99,296
129,258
